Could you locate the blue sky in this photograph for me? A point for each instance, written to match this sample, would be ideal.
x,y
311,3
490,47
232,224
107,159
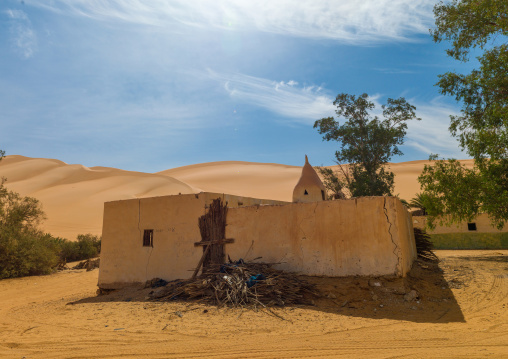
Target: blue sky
x,y
152,85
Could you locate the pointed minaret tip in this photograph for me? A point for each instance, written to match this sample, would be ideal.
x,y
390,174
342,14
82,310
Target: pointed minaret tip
x,y
309,187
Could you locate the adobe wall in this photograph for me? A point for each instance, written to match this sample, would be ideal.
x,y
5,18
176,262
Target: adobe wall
x,y
174,220
482,226
363,236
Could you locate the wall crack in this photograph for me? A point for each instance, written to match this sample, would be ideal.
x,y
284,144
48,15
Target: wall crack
x,y
396,249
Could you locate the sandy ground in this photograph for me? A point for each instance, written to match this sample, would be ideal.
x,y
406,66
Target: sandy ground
x,y
73,196
461,312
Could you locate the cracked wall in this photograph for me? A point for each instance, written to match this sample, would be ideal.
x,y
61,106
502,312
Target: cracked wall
x,y
363,236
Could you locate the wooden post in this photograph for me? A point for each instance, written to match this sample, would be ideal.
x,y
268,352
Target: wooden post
x,y
212,227
200,262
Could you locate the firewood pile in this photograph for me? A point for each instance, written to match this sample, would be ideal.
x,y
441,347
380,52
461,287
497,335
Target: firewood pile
x,y
240,284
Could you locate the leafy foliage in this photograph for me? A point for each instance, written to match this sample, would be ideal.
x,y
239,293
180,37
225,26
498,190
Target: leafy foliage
x,y
367,143
469,24
482,127
454,193
86,246
24,250
418,202
18,212
334,186
404,203
25,253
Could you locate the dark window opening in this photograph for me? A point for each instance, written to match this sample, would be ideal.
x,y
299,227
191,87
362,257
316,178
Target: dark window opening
x,y
323,195
306,193
471,226
148,238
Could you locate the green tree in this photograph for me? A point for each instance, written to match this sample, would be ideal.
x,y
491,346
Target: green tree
x,y
24,250
405,203
482,126
367,142
418,202
89,245
333,184
86,246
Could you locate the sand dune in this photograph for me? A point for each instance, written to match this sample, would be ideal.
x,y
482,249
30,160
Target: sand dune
x,y
73,195
275,181
260,180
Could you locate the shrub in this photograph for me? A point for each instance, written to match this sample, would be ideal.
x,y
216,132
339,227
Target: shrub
x,y
31,252
86,246
89,245
27,252
24,249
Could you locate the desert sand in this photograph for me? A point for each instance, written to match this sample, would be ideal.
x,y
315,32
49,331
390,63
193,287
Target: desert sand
x,y
461,312
73,196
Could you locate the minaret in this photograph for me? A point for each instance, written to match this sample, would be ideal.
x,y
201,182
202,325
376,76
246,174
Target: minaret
x,y
309,187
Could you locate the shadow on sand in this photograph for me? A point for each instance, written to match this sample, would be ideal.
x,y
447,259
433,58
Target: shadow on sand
x,y
424,296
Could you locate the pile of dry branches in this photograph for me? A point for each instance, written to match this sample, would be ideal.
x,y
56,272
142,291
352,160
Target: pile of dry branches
x,y
241,284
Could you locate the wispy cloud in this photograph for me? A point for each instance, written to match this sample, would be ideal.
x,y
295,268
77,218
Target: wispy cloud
x,y
23,37
344,20
303,104
395,71
306,104
431,134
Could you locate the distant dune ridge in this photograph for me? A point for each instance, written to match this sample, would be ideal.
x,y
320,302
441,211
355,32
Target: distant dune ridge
x,y
73,195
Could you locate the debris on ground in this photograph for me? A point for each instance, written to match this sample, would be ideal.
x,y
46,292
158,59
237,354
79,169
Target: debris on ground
x,y
412,295
156,283
89,264
240,284
62,265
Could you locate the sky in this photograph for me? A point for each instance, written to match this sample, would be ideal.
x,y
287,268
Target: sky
x,y
152,85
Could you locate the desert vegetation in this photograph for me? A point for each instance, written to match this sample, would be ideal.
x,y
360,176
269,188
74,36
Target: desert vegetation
x,y
367,144
454,193
24,248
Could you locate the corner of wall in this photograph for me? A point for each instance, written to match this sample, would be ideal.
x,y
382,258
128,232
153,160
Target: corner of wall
x,y
405,236
390,212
